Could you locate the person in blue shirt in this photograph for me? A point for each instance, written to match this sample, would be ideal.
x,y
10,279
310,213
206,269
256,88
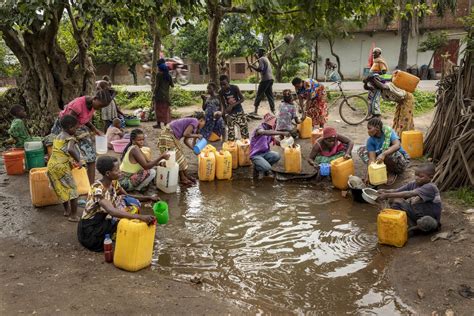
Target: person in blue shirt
x,y
383,145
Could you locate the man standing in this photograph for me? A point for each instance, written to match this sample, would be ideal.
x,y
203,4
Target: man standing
x,y
266,82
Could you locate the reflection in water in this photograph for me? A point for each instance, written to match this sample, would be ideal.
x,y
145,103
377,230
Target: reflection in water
x,y
276,247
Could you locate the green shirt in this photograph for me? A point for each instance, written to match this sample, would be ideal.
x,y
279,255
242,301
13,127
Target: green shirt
x,y
19,132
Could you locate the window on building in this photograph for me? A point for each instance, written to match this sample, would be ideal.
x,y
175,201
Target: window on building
x,y
240,68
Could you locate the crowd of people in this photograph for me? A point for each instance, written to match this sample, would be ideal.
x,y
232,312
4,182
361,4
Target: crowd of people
x,y
73,146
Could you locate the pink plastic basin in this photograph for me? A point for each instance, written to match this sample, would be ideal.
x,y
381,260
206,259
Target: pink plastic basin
x,y
119,145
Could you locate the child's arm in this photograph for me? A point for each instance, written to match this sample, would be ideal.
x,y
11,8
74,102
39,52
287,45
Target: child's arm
x,y
272,133
350,144
115,212
394,195
390,150
189,137
94,129
140,158
72,150
314,152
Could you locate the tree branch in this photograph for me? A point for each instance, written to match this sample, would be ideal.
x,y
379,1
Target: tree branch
x,y
13,41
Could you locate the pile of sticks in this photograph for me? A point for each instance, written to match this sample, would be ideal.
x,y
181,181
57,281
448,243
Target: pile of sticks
x,y
450,138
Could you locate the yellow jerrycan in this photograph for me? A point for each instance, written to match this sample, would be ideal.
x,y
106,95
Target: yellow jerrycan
x,y
134,244
214,138
392,227
223,165
243,146
207,166
82,180
41,193
316,134
293,159
377,173
405,80
412,142
305,128
341,169
231,147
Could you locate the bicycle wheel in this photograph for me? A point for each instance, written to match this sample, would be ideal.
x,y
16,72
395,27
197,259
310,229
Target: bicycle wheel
x,y
354,109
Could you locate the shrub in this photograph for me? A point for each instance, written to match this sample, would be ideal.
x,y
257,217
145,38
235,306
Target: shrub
x,y
424,102
142,99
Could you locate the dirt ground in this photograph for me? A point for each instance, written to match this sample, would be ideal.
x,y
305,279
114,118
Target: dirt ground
x,y
45,270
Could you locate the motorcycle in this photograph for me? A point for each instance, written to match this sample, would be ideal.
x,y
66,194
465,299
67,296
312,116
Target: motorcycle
x,y
178,71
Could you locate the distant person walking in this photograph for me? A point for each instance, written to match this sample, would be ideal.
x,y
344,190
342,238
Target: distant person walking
x,y
266,82
161,94
378,67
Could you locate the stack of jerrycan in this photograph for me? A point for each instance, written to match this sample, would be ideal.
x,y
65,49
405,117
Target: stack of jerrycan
x,y
231,147
223,165
207,166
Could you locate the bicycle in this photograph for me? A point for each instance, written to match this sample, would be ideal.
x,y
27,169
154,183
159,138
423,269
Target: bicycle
x,y
353,109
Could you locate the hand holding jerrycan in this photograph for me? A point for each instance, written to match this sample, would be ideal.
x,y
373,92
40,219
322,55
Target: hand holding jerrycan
x,y
160,209
200,144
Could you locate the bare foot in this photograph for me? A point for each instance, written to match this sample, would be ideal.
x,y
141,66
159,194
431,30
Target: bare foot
x,y
67,213
73,219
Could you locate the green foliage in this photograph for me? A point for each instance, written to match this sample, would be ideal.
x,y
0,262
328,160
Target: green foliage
x,y
140,100
465,195
253,79
424,102
237,37
191,42
9,66
66,39
434,41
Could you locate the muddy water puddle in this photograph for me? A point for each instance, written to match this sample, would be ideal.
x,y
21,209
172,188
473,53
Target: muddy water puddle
x,y
277,247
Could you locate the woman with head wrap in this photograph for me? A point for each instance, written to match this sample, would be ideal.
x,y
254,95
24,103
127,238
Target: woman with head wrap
x,y
161,94
83,109
329,147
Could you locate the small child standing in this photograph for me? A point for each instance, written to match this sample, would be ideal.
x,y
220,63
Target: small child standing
x,y
114,132
106,197
63,158
18,131
287,114
420,199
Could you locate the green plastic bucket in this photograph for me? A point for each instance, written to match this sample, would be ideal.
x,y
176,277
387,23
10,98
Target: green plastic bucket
x,y
161,212
35,159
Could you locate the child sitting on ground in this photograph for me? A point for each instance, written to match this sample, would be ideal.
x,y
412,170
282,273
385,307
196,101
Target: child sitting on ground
x,y
287,114
18,131
64,157
420,199
260,154
114,132
106,197
330,147
137,172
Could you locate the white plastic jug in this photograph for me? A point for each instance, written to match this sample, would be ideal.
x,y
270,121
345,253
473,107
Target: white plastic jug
x,y
101,144
287,142
33,145
167,178
172,159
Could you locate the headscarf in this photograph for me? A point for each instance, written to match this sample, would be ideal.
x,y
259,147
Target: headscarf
x,y
329,132
164,68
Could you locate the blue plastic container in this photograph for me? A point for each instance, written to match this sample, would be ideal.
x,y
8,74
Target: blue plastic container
x,y
200,146
325,169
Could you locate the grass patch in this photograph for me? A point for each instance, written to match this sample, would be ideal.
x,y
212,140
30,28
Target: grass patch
x,y
465,195
424,103
136,100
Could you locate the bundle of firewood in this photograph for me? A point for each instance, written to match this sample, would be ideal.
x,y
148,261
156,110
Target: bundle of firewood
x,y
450,138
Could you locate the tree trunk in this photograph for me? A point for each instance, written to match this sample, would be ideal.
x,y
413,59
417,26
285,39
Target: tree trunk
x,y
404,34
48,80
315,60
112,72
338,60
133,70
156,51
215,19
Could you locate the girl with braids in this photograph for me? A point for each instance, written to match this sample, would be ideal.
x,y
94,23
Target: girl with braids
x,y
186,128
136,171
383,145
83,109
64,157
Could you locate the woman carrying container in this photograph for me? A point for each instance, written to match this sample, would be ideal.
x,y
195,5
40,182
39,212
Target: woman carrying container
x,y
83,108
187,129
136,170
161,95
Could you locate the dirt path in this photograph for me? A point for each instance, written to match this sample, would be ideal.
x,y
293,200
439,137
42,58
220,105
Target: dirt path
x,y
44,269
